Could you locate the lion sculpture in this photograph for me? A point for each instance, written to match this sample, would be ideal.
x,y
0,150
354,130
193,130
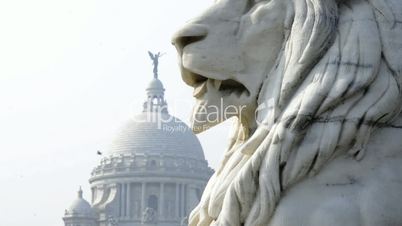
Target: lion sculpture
x,y
318,139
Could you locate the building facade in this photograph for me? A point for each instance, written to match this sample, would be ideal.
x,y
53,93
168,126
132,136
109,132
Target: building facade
x,y
154,173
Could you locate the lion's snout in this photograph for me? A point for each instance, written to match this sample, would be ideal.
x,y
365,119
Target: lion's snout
x,y
189,34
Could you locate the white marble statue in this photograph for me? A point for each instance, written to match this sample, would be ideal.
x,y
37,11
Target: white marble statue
x,y
316,88
149,216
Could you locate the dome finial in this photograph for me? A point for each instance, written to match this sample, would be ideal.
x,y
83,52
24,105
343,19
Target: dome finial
x,y
80,193
155,92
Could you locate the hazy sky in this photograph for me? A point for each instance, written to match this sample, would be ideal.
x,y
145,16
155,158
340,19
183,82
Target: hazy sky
x,y
71,73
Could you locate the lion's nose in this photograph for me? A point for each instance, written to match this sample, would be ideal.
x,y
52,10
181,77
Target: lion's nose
x,y
189,34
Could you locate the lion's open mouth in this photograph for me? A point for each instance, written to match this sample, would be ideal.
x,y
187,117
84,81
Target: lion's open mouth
x,y
225,87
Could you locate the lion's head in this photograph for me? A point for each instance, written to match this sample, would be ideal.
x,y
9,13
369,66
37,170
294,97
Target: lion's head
x,y
321,74
226,54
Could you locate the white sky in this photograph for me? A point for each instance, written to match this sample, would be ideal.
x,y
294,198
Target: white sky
x,y
71,72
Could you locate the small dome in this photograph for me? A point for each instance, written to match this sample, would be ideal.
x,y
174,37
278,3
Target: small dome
x,y
155,84
80,207
157,133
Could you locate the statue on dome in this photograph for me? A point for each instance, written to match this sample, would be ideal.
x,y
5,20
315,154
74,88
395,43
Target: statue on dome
x,y
112,221
149,215
155,61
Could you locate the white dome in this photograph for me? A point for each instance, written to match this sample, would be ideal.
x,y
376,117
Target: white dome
x,y
155,84
157,133
80,207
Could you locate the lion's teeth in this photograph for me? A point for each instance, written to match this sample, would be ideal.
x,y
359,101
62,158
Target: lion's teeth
x,y
217,84
200,90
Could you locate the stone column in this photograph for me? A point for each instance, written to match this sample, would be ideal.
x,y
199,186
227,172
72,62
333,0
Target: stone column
x,y
185,199
123,204
183,204
128,201
162,201
177,201
122,200
143,197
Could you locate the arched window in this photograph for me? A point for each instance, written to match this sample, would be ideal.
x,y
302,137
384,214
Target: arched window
x,y
153,202
155,100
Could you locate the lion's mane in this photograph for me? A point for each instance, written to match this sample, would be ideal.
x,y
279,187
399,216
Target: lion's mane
x,y
337,78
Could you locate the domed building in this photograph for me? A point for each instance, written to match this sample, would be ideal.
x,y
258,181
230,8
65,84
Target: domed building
x,y
154,173
80,213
